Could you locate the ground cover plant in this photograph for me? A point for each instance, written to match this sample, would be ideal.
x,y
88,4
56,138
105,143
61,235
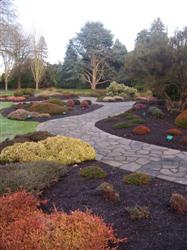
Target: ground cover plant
x,y
32,177
150,122
25,226
65,150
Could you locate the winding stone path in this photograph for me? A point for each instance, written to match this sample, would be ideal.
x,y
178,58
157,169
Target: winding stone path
x,y
165,163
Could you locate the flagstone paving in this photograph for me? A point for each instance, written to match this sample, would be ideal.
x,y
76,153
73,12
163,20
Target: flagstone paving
x,y
165,163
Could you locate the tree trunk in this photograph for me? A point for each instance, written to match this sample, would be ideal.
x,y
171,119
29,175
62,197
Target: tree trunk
x,y
37,85
19,82
6,84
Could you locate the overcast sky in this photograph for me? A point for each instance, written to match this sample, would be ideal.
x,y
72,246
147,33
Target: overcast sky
x,y
60,20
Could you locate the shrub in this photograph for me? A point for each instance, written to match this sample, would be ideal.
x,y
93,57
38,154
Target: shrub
x,y
174,131
77,102
70,103
93,172
118,98
32,177
108,192
46,107
117,89
181,119
139,106
84,104
137,179
22,115
65,150
57,101
156,112
137,121
184,141
141,130
108,99
179,203
21,92
88,101
24,226
138,212
13,98
121,125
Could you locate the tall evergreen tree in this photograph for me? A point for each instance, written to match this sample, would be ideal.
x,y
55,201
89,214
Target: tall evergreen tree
x,y
71,69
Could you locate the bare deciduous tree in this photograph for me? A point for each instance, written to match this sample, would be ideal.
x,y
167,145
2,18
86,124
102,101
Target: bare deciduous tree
x,y
39,54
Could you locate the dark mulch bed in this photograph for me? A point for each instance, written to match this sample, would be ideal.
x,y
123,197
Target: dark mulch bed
x,y
166,230
158,128
77,110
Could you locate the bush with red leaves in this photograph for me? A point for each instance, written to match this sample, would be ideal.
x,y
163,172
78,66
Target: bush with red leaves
x,y
174,131
141,130
184,141
70,103
84,104
179,203
24,226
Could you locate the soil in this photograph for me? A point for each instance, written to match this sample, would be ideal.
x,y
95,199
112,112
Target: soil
x,y
165,230
158,127
77,110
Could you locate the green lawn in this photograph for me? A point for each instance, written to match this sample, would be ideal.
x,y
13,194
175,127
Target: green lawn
x,y
10,128
9,92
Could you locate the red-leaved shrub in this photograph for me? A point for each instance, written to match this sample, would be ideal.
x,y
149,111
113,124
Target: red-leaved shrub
x,y
84,104
70,103
24,226
179,203
141,130
174,131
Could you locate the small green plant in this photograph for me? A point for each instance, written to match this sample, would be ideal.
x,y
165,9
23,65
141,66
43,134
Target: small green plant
x,y
108,192
137,179
121,125
138,212
156,112
111,119
137,121
95,172
26,91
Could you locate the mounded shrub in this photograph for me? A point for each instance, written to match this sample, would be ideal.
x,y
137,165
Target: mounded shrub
x,y
46,107
30,176
181,119
137,179
34,136
84,104
139,212
141,130
70,103
22,115
184,141
108,99
117,89
139,106
57,101
156,112
179,203
24,226
95,172
118,98
77,102
174,131
108,192
65,150
22,92
88,101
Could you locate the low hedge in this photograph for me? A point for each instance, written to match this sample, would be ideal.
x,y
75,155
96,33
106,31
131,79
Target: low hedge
x,y
65,150
181,119
22,92
32,176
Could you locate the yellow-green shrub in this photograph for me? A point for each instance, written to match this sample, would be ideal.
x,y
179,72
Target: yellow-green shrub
x,y
65,150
